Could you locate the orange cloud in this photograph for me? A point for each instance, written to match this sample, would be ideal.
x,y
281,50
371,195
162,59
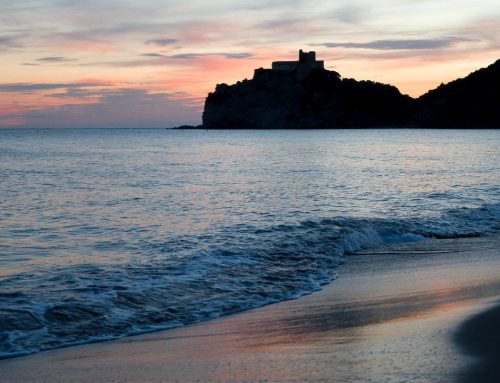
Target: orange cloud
x,y
198,32
79,42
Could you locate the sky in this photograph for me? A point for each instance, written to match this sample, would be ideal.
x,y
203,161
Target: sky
x,y
151,63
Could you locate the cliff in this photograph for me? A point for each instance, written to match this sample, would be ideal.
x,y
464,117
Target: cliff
x,y
317,99
470,102
320,99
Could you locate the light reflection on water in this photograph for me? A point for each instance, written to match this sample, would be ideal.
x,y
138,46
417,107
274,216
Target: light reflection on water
x,y
66,191
162,213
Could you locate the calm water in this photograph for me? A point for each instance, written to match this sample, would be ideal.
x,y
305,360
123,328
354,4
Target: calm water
x,y
105,233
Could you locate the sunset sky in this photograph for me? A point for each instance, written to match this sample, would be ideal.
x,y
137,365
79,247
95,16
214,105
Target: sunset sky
x,y
150,63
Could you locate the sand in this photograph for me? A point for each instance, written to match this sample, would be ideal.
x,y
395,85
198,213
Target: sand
x,y
420,312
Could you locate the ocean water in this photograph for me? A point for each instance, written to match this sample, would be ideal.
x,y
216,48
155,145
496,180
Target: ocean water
x,y
111,232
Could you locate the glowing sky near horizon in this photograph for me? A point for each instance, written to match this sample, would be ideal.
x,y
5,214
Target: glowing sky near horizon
x,y
123,63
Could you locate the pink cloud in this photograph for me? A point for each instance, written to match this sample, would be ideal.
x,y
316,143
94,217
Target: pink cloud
x,y
106,108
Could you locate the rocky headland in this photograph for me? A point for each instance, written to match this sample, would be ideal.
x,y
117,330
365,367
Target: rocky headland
x,y
470,102
303,95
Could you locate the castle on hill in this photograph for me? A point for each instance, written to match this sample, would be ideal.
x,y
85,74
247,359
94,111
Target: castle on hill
x,y
306,63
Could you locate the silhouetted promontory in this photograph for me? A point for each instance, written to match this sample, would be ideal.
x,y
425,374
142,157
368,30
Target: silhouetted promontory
x,y
303,95
470,102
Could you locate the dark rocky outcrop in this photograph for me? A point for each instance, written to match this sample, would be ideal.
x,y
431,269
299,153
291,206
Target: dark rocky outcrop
x,y
322,99
279,100
470,102
187,127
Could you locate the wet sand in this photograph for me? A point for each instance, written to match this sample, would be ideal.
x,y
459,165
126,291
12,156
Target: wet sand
x,y
420,312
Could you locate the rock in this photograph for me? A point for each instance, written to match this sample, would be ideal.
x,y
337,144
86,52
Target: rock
x,y
321,99
470,102
188,127
304,95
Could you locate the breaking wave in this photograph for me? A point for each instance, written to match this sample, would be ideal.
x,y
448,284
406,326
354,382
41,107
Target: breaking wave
x,y
191,279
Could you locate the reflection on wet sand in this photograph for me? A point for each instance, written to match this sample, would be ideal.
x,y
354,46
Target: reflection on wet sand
x,y
391,316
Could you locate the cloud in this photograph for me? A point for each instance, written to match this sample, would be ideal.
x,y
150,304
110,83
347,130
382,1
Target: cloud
x,y
352,14
55,59
36,87
237,55
226,55
154,55
6,41
269,4
281,24
399,44
77,93
116,108
50,60
161,42
158,59
9,41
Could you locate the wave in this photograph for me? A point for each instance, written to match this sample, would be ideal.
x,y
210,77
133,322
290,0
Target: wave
x,y
191,279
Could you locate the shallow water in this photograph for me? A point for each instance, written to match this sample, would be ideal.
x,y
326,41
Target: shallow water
x,y
108,232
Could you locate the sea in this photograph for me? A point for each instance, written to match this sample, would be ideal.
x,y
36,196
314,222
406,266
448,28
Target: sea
x,y
106,233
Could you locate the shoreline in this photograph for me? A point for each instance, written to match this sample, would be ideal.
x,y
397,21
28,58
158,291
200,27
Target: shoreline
x,y
385,127
390,309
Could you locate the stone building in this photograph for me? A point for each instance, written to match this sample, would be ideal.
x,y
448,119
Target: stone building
x,y
307,62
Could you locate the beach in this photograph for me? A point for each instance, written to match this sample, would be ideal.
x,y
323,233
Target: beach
x,y
419,312
228,192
